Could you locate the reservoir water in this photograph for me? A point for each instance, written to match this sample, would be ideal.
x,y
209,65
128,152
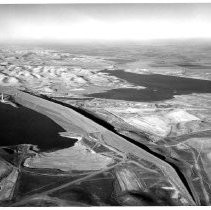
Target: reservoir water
x,y
158,87
25,126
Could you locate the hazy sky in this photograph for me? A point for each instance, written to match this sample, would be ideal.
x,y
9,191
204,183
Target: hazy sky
x,y
104,22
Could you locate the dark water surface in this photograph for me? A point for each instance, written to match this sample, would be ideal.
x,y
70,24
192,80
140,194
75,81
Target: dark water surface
x,y
25,126
158,87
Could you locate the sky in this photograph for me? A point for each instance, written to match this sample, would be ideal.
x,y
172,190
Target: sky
x,y
81,22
